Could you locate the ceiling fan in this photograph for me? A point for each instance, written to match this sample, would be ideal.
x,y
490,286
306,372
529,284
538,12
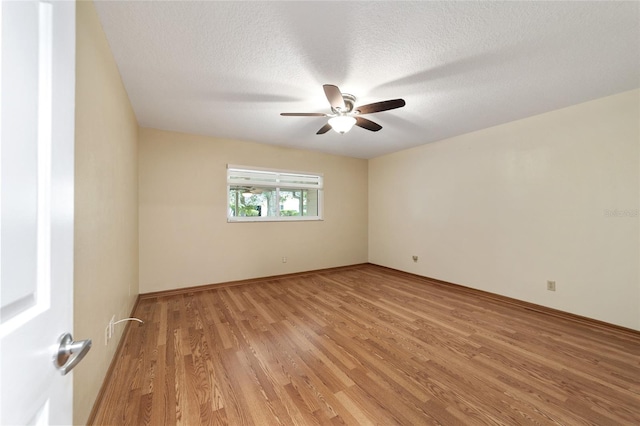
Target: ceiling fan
x,y
344,115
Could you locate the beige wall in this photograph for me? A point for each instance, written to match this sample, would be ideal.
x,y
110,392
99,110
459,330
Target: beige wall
x,y
185,239
106,205
507,208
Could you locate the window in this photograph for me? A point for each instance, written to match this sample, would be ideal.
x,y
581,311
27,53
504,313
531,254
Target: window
x,y
256,195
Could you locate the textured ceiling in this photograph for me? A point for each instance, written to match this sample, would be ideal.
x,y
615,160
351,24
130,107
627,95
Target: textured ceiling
x,y
227,69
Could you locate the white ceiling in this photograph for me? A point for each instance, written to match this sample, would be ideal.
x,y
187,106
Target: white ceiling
x,y
227,69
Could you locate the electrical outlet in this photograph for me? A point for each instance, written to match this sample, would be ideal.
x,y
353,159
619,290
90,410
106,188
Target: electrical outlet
x,y
284,259
551,285
415,258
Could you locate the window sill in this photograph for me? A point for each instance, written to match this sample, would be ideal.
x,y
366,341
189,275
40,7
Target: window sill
x,y
274,219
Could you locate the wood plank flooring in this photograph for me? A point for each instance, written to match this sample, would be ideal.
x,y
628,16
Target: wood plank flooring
x,y
363,346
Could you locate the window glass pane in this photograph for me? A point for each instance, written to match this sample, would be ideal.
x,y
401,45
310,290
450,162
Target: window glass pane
x,y
252,201
298,202
241,177
311,202
299,181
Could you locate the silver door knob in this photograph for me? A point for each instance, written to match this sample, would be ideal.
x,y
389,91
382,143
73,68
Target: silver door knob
x,y
70,353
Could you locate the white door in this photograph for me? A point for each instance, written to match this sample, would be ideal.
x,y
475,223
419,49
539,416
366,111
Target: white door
x,y
37,82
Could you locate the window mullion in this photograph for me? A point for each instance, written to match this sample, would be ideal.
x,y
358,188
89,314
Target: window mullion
x,y
237,201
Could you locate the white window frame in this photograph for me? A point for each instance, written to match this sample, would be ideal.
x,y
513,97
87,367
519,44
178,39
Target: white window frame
x,y
278,179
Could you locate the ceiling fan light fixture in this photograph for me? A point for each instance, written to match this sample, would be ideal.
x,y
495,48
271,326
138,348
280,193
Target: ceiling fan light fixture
x,y
342,123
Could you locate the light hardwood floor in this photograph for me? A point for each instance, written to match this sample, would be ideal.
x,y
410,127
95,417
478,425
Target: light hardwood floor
x,y
366,345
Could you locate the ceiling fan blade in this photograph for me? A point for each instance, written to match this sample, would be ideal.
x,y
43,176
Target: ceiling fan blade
x,y
324,129
367,124
334,96
381,106
303,114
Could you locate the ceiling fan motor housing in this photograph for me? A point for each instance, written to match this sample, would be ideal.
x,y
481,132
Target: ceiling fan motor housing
x,y
349,102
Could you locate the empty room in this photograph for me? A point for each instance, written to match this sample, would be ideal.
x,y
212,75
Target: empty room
x,y
318,212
